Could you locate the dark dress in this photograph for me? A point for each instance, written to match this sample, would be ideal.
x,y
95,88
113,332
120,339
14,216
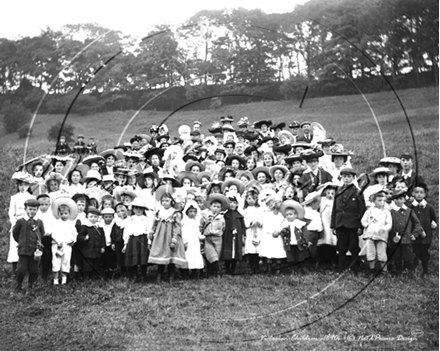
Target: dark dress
x,y
232,247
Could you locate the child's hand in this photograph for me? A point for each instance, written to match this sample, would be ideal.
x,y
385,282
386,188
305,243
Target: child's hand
x,y
433,225
276,234
125,248
412,237
360,231
186,246
151,236
202,237
113,247
334,231
86,237
309,244
102,250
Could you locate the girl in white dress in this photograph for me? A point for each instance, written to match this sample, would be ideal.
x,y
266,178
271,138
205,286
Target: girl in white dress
x,y
191,236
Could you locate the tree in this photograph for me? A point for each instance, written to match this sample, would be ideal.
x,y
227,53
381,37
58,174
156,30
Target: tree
x,y
14,117
54,132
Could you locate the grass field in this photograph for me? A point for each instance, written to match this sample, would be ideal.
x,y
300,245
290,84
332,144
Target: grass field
x,y
256,312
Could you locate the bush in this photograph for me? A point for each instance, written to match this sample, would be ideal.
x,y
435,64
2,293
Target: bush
x,y
15,116
23,131
54,131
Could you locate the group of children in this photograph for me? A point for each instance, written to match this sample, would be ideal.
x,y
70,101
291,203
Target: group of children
x,y
190,216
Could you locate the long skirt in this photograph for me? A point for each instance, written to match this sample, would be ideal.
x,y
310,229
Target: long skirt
x,y
137,251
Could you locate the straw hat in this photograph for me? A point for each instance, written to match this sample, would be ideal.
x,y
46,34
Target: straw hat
x,y
126,190
93,159
63,200
217,197
274,168
233,181
164,189
292,204
145,174
190,164
23,177
311,197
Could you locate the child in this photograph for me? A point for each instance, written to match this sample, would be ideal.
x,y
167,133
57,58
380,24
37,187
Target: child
x,y
47,218
191,236
92,240
233,236
167,246
272,245
82,204
252,218
135,239
212,226
63,237
117,235
327,241
27,232
17,210
293,231
377,223
109,255
348,209
405,230
428,219
314,227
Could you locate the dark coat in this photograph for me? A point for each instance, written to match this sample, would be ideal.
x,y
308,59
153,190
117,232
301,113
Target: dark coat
x,y
406,223
116,234
311,182
91,248
411,181
348,208
302,138
231,242
28,240
425,215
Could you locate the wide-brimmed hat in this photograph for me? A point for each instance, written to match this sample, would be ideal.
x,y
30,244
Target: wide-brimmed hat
x,y
292,158
233,181
311,197
258,124
213,183
54,176
217,197
328,185
304,145
139,202
164,189
243,122
380,170
251,135
228,127
190,164
280,125
266,139
304,123
292,204
280,167
117,154
204,174
125,190
121,171
295,125
226,119
240,159
287,134
327,142
397,193
282,149
189,175
251,148
247,174
80,196
154,151
340,153
140,180
176,183
64,200
263,169
298,170
310,154
254,185
93,159
108,178
92,174
211,139
23,177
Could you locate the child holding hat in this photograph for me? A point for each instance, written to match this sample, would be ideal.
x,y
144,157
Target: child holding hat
x,y
63,237
27,232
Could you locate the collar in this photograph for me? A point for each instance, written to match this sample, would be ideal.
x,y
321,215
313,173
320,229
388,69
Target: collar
x,y
395,208
422,203
407,175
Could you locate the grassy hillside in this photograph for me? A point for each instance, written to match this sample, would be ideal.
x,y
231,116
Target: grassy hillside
x,y
245,311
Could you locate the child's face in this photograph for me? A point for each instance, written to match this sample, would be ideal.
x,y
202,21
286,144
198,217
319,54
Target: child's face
x,y
92,183
190,197
291,215
399,201
419,193
23,187
64,214
393,168
268,160
110,161
92,217
192,212
148,182
313,164
289,193
205,181
108,218
278,174
126,199
261,178
166,202
76,177
107,204
122,179
250,200
38,171
44,204
186,182
138,211
233,189
245,180
401,186
379,202
58,167
250,164
31,211
235,164
347,179
215,207
200,202
406,164
94,166
296,163
53,186
233,205
338,161
330,194
122,211
81,204
381,179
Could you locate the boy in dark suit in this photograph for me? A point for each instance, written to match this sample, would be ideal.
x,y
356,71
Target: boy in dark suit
x,y
348,209
428,219
28,233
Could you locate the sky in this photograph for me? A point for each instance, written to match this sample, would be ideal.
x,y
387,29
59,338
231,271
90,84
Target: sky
x,y
30,17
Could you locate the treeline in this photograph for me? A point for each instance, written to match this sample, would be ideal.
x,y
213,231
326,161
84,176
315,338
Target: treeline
x,y
328,47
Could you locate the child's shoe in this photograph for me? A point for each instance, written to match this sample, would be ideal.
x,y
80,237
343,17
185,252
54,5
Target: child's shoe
x,y
55,282
64,280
